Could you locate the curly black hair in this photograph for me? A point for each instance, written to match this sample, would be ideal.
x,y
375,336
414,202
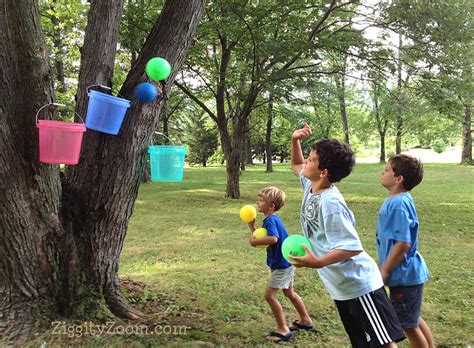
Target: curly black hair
x,y
409,167
336,157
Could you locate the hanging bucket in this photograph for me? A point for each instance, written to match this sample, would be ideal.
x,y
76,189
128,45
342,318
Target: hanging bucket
x,y
105,112
166,162
59,142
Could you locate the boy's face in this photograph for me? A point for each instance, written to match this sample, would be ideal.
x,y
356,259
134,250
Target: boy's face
x,y
388,178
263,206
311,167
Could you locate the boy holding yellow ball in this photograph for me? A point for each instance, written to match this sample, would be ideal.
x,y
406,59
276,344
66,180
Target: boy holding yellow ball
x,y
270,200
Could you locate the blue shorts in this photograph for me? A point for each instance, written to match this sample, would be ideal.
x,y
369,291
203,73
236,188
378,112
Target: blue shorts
x,y
406,301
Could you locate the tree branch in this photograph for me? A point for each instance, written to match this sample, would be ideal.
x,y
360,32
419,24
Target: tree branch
x,y
196,100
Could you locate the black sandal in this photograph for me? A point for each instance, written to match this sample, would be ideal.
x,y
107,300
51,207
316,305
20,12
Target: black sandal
x,y
297,326
281,337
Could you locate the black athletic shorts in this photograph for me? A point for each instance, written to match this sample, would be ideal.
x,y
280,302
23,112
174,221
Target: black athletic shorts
x,y
370,320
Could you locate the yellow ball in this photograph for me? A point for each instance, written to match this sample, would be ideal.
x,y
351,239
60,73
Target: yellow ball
x,y
248,213
260,233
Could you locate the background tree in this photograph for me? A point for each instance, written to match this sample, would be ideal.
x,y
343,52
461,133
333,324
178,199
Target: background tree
x,y
201,137
441,33
242,50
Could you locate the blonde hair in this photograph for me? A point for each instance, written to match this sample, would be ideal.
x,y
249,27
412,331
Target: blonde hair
x,y
273,195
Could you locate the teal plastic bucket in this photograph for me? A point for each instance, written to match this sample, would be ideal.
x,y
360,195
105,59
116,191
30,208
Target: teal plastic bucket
x,y
105,113
167,162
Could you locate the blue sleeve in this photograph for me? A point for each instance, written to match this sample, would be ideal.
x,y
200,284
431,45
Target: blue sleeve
x,y
271,226
400,223
341,233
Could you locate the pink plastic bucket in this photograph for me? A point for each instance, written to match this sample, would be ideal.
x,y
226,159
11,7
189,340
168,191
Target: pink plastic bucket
x,y
59,142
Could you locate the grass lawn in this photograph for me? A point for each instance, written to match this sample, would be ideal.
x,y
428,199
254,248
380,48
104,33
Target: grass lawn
x,y
186,260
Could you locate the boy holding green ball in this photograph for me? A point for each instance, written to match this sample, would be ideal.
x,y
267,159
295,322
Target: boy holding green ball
x,y
270,200
350,275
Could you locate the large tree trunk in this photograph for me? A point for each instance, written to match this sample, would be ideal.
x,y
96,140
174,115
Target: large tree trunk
x,y
30,192
60,246
466,157
86,184
101,198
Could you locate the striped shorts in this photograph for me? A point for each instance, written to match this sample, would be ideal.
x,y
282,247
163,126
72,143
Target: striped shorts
x,y
370,320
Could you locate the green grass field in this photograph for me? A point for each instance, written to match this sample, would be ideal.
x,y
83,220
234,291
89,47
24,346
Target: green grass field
x,y
186,260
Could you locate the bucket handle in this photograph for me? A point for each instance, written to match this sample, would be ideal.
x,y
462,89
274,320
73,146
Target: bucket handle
x,y
104,87
159,133
55,104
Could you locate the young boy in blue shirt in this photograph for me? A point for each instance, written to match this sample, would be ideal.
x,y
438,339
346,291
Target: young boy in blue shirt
x,y
350,275
403,268
270,200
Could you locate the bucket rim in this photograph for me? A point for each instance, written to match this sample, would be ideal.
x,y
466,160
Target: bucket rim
x,y
54,124
167,146
158,148
110,98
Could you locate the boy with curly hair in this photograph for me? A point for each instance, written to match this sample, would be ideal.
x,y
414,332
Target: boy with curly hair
x,y
350,275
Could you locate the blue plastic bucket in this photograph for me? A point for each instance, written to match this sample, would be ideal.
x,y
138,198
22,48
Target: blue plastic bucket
x,y
167,162
105,112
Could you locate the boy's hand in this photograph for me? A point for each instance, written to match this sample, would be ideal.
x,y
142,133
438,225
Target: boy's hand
x,y
308,260
385,275
302,133
251,225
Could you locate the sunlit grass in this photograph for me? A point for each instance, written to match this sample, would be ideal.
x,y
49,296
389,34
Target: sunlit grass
x,y
186,240
186,260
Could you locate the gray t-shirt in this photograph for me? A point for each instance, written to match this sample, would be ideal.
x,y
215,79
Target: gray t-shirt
x,y
329,224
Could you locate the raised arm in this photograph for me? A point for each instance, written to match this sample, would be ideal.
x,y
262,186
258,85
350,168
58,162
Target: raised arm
x,y
297,158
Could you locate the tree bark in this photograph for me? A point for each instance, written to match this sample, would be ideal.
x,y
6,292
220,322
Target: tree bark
x,y
100,198
466,157
399,120
60,244
248,144
381,124
30,191
341,96
58,59
268,136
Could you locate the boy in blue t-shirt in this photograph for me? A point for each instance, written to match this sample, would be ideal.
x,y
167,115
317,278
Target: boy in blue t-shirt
x,y
350,275
403,268
270,200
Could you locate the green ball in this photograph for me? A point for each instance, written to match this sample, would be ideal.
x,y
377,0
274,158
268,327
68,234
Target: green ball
x,y
158,69
292,246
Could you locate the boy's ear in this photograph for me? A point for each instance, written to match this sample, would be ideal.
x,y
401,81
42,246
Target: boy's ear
x,y
399,179
324,173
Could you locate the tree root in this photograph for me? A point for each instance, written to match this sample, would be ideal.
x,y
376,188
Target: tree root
x,y
119,306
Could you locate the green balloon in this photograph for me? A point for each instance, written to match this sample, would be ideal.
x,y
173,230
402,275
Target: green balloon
x,y
158,69
292,246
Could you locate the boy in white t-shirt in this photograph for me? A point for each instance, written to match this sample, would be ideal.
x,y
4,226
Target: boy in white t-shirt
x,y
350,275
